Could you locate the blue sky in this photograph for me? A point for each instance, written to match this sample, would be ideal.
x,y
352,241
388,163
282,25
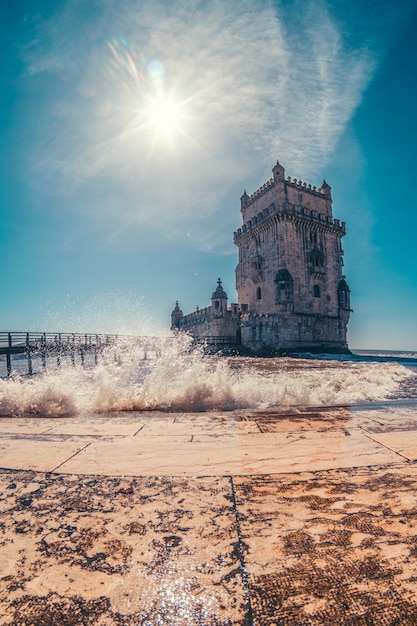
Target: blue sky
x,y
110,212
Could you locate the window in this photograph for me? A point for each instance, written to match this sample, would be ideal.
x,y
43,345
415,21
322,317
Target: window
x,y
316,258
256,262
216,304
316,291
284,287
259,293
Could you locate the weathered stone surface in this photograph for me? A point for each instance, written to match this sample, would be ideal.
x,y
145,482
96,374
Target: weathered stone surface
x,y
107,551
288,543
334,547
205,444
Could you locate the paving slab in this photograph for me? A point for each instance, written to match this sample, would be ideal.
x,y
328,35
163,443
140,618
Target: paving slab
x,y
402,442
398,418
97,428
76,425
88,550
201,425
231,455
336,547
26,425
293,420
40,454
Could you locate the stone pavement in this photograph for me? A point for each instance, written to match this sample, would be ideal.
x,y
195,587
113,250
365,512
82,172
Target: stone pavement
x,y
304,516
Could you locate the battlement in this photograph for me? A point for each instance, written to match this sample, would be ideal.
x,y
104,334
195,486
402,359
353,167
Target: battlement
x,y
259,192
304,186
322,192
248,200
200,316
289,210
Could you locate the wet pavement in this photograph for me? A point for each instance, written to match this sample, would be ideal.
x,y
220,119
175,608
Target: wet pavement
x,y
297,517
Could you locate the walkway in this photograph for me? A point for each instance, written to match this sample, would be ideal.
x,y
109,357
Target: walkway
x,y
297,517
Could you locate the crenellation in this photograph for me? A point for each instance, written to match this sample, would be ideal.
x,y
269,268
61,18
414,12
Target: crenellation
x,y
295,182
259,192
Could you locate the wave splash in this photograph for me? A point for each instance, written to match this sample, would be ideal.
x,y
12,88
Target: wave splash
x,y
181,378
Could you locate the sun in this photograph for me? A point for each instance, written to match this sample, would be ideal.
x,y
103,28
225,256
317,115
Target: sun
x,y
163,115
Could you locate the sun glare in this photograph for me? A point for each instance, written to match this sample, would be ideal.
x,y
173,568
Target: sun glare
x,y
163,115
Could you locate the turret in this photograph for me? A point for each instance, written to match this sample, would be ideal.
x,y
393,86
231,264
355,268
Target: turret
x,y
326,190
343,293
176,315
219,300
279,173
244,200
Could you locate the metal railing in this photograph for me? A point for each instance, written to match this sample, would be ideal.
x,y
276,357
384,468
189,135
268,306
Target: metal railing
x,y
30,345
28,352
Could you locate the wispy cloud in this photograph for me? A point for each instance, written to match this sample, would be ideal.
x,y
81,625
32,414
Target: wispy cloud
x,y
258,81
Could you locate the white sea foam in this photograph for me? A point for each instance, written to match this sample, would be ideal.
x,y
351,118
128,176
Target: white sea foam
x,y
182,379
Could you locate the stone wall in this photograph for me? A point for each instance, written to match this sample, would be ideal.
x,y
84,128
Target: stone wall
x,y
292,332
204,323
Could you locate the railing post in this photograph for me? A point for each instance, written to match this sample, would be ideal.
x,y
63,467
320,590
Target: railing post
x,y
73,351
96,351
58,349
9,355
43,350
29,353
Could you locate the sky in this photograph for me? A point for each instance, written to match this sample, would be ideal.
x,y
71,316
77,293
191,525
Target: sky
x,y
130,128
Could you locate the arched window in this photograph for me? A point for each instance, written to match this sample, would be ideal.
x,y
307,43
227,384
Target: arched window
x,y
316,258
256,262
284,287
259,293
316,291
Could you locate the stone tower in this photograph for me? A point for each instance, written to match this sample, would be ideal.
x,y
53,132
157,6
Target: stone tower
x,y
292,293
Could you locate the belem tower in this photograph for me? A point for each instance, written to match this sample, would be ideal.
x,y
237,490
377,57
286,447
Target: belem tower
x,y
292,293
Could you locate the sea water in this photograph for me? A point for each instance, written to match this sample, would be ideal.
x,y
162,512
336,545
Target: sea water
x,y
178,377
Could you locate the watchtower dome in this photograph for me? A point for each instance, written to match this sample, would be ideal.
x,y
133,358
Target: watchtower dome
x,y
219,300
176,316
